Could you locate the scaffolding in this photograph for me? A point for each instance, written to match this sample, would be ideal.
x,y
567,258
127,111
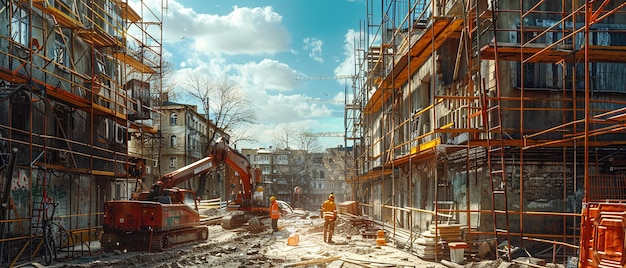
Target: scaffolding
x,y
75,82
513,110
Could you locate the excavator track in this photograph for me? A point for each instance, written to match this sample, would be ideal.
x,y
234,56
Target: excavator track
x,y
165,240
158,241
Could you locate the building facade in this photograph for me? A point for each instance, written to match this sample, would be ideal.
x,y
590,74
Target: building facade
x,y
502,115
301,178
74,82
328,175
183,140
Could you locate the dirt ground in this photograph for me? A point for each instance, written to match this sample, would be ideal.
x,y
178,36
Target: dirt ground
x,y
242,248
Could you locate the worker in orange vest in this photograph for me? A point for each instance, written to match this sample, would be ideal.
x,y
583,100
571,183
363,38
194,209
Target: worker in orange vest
x,y
329,214
274,213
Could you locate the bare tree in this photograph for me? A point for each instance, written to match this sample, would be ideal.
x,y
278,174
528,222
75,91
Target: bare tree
x,y
339,162
228,107
306,140
298,138
300,157
283,136
225,105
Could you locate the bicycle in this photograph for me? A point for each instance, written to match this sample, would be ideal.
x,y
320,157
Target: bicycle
x,y
50,249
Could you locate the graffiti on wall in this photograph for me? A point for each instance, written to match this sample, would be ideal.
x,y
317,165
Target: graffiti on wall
x,y
71,193
20,190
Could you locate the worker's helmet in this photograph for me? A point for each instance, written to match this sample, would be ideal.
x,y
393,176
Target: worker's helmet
x,y
331,196
272,199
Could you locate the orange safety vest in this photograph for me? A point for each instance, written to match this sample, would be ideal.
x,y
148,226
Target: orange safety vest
x,y
329,210
274,211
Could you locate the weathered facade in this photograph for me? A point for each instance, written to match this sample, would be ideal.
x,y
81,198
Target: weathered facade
x,y
279,170
502,115
327,175
73,85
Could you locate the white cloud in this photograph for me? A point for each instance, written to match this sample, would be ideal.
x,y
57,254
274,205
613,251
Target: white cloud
x,y
267,75
314,46
281,108
346,67
259,81
251,31
287,108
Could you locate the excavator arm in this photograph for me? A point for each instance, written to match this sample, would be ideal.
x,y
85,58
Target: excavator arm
x,y
220,153
199,167
234,159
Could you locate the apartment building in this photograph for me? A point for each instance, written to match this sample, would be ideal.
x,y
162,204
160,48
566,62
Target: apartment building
x,y
303,179
330,174
500,116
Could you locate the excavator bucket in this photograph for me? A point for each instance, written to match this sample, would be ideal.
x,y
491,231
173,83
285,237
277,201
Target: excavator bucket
x,y
255,225
233,221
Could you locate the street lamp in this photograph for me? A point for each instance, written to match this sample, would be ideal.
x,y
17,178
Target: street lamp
x,y
206,109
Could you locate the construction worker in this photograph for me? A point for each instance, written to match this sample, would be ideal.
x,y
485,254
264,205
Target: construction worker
x,y
329,214
274,213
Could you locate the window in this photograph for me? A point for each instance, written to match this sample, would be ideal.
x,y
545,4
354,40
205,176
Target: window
x,y
21,111
173,141
19,26
189,199
173,119
173,161
102,68
60,55
111,20
120,133
106,129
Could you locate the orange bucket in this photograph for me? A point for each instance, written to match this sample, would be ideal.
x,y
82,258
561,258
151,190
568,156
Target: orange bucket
x,y
380,238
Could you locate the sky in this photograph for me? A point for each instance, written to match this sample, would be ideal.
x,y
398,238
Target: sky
x,y
286,55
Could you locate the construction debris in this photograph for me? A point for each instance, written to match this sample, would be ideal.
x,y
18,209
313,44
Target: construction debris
x,y
318,261
242,248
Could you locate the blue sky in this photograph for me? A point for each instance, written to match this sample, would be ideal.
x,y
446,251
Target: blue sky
x,y
266,46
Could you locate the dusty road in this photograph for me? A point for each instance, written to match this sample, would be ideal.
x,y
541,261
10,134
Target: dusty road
x,y
241,248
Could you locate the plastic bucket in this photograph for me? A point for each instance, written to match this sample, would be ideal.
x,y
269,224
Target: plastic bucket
x,y
457,252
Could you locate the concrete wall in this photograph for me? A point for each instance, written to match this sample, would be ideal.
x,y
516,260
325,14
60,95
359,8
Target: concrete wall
x,y
75,195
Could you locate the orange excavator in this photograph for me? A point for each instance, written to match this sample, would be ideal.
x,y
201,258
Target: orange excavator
x,y
251,201
165,215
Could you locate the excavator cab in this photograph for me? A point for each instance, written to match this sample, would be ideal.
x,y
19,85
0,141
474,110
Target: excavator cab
x,y
260,198
189,198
